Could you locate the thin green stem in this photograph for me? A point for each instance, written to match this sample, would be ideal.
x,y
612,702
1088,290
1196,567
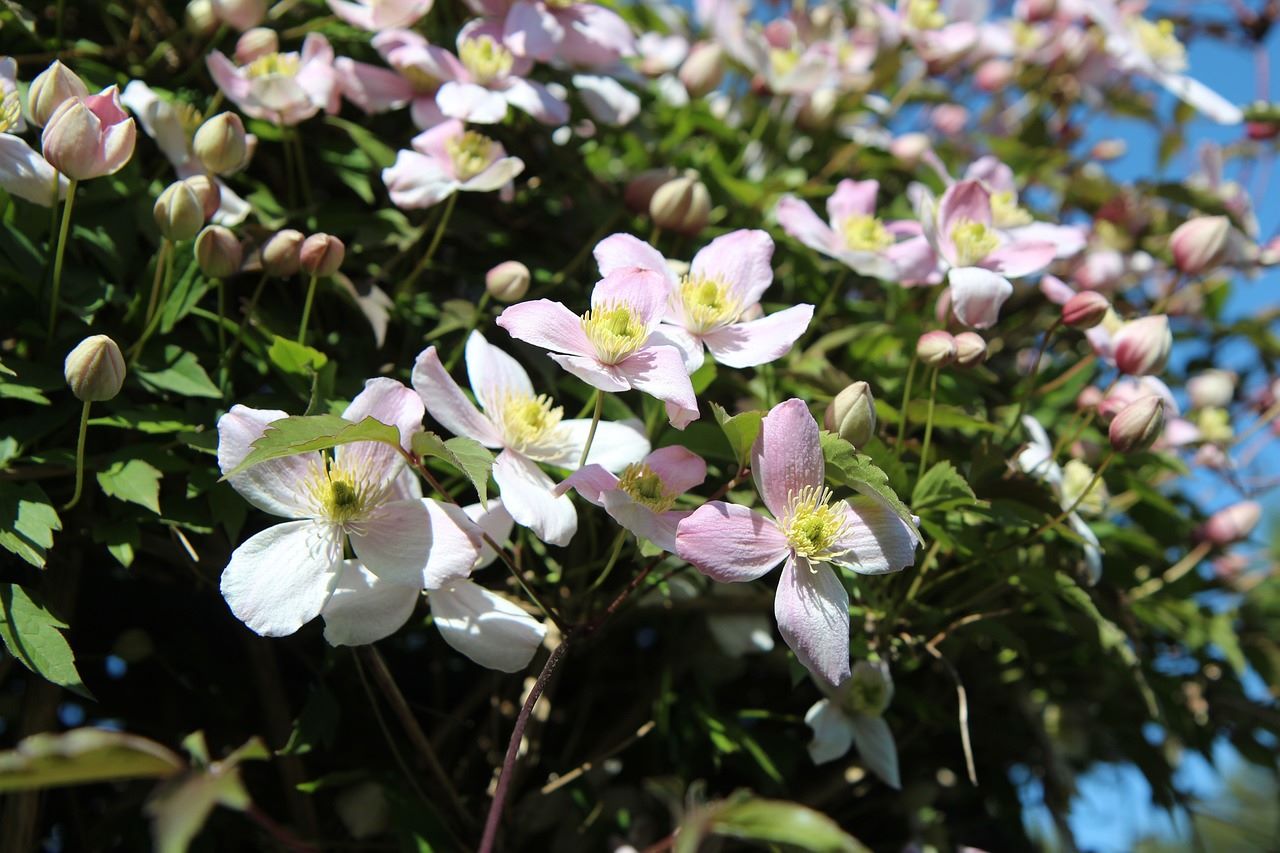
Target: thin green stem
x,y
222,334
902,412
248,315
57,27
928,423
431,249
1031,380
156,280
290,174
53,227
57,259
618,542
306,309
1062,516
163,260
591,433
471,327
84,429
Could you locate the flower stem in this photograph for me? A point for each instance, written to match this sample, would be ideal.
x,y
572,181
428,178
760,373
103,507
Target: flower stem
x,y
431,249
1035,375
248,315
58,256
222,334
306,309
902,412
1174,573
471,327
84,429
156,281
928,423
159,293
595,422
613,558
1084,493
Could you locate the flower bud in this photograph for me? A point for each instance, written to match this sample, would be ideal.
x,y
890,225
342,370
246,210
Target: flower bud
x,y
936,348
1200,244
993,75
218,252
241,14
1085,309
1212,388
910,148
50,89
208,191
1108,149
640,189
94,369
1138,425
971,349
200,18
949,119
179,212
321,255
280,254
221,144
1090,397
1231,525
703,69
1261,131
508,281
852,414
681,205
89,137
256,43
1141,347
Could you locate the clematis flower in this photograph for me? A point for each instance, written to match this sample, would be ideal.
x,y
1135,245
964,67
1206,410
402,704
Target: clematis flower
x,y
282,88
859,240
577,34
89,137
852,714
979,259
706,307
172,126
1016,222
810,531
641,498
282,577
490,78
23,171
1037,460
613,346
447,159
379,15
528,428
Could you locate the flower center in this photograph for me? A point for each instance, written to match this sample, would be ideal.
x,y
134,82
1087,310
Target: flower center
x,y
422,81
867,697
783,61
973,242
485,59
1076,477
615,331
10,112
562,4
645,487
814,524
924,15
528,421
281,64
340,495
471,154
1157,40
863,233
1006,213
708,303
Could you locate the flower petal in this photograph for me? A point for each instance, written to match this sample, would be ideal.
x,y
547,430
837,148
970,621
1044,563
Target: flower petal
x,y
659,372
644,292
799,220
590,481
280,578
493,374
447,404
275,486
658,527
832,731
606,377
742,259
486,627
852,198
964,201
534,98
787,455
469,102
626,253
415,180
389,402
528,494
876,540
679,469
977,294
617,444
761,341
812,609
494,521
730,543
546,324
1021,257
365,608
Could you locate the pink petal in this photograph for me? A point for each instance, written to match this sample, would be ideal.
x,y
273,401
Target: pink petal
x,y
395,542
590,481
1020,258
493,374
1067,240
626,253
658,528
812,609
469,102
646,293
434,142
730,543
679,469
787,455
227,76
852,198
977,294
876,539
1056,290
593,36
528,494
761,341
415,181
531,30
533,98
365,608
659,372
799,221
355,14
606,377
447,404
390,402
742,259
963,201
371,88
546,324
996,175
275,486
915,260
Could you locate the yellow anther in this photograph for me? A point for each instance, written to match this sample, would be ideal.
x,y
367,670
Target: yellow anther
x,y
485,59
645,487
615,331
925,15
1157,40
973,242
10,112
814,524
708,303
341,495
1005,212
471,154
528,422
864,233
278,64
783,62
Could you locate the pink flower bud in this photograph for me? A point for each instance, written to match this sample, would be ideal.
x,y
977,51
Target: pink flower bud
x,y
1200,244
179,212
52,87
971,349
682,205
1138,425
852,414
640,189
508,281
1109,149
218,252
993,75
256,43
936,348
1089,398
949,119
94,369
1231,525
1141,347
703,69
89,137
241,14
1085,310
910,148
221,144
321,254
208,191
1212,389
280,254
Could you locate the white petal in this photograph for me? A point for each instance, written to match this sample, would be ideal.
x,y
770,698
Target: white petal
x,y
275,486
528,495
616,445
364,608
486,627
279,579
832,731
876,747
496,522
493,374
812,609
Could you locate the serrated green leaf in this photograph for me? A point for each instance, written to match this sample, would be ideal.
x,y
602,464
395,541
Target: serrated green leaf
x,y
469,456
31,634
941,488
847,467
27,521
295,358
740,430
82,756
133,480
183,375
304,433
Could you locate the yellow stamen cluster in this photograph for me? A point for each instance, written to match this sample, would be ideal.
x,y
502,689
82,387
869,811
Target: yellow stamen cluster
x,y
813,523
615,331
645,487
471,154
925,15
1157,40
274,64
189,117
485,59
708,303
340,495
10,112
1005,212
783,62
866,696
562,4
864,233
422,82
528,422
973,242
1076,477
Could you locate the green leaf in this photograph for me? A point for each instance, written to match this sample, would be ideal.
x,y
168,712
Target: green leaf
x,y
740,430
847,467
295,358
469,456
1110,637
82,756
183,376
941,488
133,480
27,521
31,634
303,433
779,822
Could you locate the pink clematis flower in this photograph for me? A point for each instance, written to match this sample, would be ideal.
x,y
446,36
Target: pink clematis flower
x,y
1015,222
706,307
641,499
577,34
528,429
282,88
978,257
809,530
379,15
282,578
89,137
614,346
447,159
491,78
855,237
23,171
